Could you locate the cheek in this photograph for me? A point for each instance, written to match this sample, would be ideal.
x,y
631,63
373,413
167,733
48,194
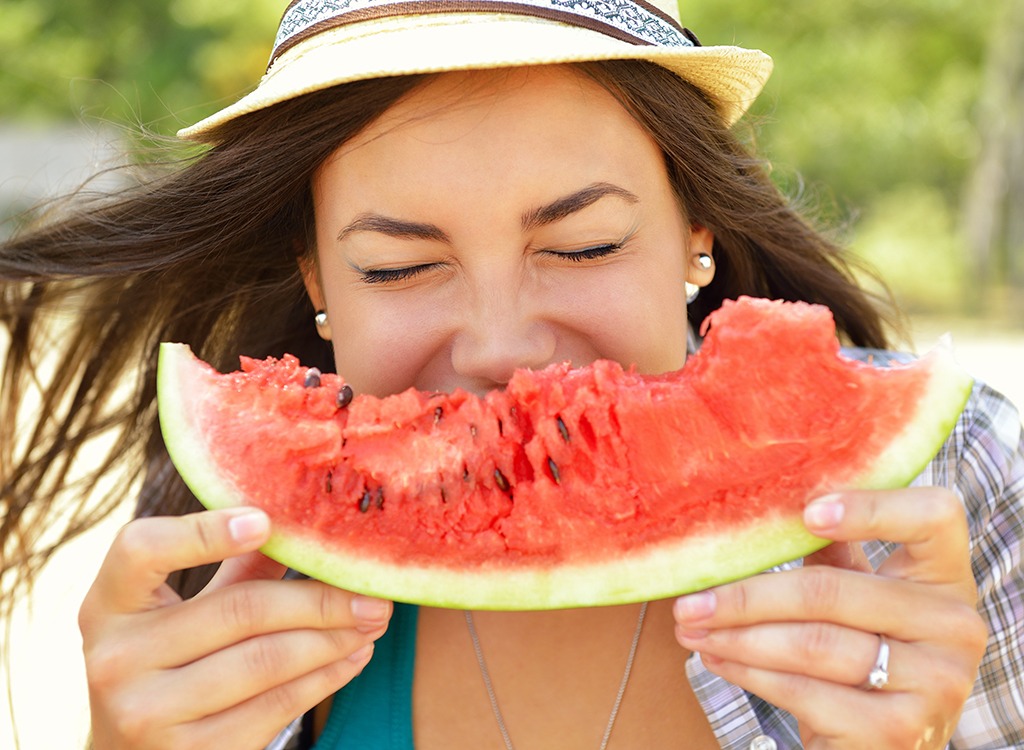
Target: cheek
x,y
634,319
385,344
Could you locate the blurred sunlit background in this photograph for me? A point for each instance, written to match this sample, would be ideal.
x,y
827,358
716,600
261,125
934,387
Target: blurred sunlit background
x,y
901,124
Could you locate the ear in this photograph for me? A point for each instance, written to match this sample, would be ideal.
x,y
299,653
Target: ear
x,y
311,280
701,243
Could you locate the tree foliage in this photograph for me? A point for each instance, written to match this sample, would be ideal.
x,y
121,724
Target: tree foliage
x,y
159,63
866,94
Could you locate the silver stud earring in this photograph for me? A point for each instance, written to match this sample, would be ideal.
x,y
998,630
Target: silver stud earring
x,y
323,328
705,261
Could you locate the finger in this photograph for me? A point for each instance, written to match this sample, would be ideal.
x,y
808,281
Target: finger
x,y
256,666
257,721
825,652
247,567
846,555
246,610
901,609
930,523
148,550
834,715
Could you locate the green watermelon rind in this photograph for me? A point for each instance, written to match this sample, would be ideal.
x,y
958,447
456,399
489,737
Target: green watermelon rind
x,y
667,569
664,571
204,476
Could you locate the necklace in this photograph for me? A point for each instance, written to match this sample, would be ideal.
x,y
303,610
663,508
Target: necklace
x,y
494,700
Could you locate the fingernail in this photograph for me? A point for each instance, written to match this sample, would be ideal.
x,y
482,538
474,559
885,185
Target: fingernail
x,y
362,654
369,609
248,526
696,606
824,513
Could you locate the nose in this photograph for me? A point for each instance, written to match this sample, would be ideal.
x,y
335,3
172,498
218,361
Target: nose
x,y
501,333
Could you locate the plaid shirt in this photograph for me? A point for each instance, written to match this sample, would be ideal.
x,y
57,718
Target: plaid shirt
x,y
983,462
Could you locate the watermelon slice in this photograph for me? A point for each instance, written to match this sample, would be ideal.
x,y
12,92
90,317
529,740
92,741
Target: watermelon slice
x,y
570,487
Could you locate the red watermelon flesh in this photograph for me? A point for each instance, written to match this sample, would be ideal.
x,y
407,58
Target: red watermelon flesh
x,y
570,487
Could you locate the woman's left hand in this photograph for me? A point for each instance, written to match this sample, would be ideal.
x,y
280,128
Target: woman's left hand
x,y
805,640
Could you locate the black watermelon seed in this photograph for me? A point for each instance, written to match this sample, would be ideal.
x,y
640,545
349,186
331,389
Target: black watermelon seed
x,y
553,468
329,485
378,498
438,413
364,501
562,429
501,481
344,396
312,378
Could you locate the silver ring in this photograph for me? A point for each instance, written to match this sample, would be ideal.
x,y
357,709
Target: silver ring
x,y
878,677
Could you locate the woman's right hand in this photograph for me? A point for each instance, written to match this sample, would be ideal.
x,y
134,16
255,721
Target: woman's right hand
x,y
228,668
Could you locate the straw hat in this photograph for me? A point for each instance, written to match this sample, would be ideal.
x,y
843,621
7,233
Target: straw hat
x,y
322,43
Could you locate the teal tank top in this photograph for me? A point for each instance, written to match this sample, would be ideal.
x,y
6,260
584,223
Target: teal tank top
x,y
375,709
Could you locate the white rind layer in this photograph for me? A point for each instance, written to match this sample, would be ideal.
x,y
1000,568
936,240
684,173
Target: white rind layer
x,y
665,570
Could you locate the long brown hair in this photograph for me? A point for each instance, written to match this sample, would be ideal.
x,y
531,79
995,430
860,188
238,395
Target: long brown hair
x,y
205,253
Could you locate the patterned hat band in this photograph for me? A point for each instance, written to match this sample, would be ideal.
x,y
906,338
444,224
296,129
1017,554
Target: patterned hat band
x,y
631,21
322,44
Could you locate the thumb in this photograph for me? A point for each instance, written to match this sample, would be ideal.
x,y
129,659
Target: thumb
x,y
147,550
822,515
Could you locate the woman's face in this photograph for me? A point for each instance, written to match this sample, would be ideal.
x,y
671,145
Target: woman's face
x,y
497,220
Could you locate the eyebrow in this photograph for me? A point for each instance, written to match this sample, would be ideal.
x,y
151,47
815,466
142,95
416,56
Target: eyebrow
x,y
412,230
548,214
570,204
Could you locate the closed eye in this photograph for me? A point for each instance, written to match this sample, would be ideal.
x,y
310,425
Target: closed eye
x,y
393,275
589,253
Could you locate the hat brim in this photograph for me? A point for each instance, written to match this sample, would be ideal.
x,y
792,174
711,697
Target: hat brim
x,y
731,77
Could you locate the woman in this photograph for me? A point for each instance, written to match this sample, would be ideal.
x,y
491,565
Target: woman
x,y
433,195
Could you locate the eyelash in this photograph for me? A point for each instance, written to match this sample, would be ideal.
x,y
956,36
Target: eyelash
x,y
590,253
395,275
392,275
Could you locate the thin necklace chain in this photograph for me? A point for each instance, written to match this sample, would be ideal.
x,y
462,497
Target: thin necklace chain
x,y
494,699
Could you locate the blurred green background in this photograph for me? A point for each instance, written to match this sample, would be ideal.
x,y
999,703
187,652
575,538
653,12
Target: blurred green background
x,y
901,122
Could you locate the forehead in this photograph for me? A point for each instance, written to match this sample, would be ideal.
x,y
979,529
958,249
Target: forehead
x,y
557,110
520,133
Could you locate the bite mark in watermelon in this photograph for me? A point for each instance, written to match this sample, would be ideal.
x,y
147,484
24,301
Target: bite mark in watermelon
x,y
570,487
